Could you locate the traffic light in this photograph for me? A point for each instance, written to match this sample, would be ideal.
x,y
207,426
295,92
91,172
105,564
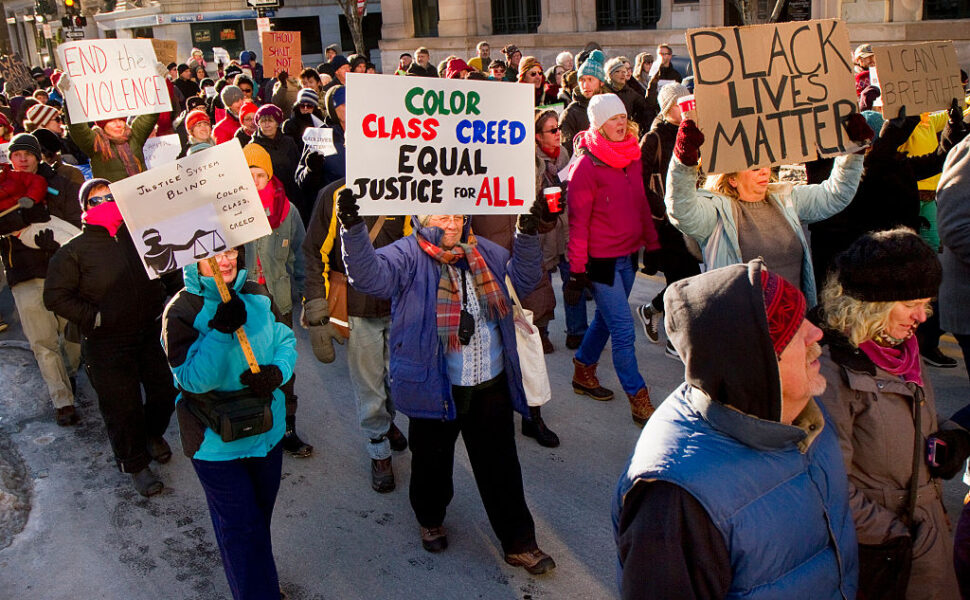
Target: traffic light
x,y
70,7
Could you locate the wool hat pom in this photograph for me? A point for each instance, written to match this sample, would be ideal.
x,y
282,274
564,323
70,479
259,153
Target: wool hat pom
x,y
602,108
593,66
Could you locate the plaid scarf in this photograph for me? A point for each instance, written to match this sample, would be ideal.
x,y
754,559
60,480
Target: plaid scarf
x,y
119,148
490,297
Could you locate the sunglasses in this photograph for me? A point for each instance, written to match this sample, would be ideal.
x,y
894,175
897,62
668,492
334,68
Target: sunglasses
x,y
534,73
96,200
247,90
553,130
309,106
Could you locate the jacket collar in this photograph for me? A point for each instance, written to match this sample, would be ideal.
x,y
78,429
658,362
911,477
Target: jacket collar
x,y
759,434
206,286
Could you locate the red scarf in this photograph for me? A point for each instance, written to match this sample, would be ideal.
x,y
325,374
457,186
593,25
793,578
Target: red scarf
x,y
106,215
274,200
901,360
552,153
616,154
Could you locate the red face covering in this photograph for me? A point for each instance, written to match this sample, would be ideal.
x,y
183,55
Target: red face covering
x,y
106,215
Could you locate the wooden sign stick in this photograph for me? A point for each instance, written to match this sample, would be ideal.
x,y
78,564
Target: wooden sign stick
x,y
240,333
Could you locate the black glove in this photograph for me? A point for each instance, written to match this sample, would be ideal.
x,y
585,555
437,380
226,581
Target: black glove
x,y
45,241
347,209
229,316
263,383
282,77
956,115
577,284
896,131
951,459
314,161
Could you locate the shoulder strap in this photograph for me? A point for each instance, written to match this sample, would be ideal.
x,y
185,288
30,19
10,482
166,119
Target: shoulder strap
x,y
918,401
376,229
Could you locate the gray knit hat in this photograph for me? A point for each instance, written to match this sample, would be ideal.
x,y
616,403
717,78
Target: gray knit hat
x,y
668,96
307,96
230,95
24,141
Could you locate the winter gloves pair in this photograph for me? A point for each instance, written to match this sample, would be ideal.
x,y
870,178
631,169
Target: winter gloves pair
x,y
229,317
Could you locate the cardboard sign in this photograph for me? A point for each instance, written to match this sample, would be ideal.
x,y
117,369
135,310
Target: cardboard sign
x,y
874,82
281,52
923,77
161,150
166,51
772,94
320,139
441,146
558,107
15,72
184,211
112,79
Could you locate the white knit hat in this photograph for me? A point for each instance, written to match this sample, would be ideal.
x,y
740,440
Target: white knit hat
x,y
668,96
602,108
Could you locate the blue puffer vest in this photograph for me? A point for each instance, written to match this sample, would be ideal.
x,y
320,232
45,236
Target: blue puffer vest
x,y
784,514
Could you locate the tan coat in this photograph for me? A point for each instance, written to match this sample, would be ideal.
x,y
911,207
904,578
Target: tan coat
x,y
873,416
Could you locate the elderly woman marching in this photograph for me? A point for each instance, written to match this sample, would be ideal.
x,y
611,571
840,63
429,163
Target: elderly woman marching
x,y
454,367
880,402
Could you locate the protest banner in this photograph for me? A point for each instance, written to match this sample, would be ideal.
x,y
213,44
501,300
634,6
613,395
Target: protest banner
x,y
166,51
282,52
320,139
772,94
441,146
112,79
184,211
923,77
161,149
15,72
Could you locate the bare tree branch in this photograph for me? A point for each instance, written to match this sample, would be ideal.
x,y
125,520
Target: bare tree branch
x,y
354,22
776,13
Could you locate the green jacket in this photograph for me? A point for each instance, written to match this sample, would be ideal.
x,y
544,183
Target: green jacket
x,y
113,169
281,259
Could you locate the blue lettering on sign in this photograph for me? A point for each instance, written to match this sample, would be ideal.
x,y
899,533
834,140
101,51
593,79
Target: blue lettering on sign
x,y
490,132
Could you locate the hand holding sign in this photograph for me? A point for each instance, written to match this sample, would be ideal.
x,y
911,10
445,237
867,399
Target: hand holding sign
x,y
689,141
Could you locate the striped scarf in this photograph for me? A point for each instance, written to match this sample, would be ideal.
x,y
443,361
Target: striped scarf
x,y
490,296
110,148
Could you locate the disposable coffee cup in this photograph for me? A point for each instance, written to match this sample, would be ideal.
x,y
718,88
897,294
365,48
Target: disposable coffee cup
x,y
552,195
687,104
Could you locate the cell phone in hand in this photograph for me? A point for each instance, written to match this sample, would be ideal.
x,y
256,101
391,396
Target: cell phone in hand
x,y
936,452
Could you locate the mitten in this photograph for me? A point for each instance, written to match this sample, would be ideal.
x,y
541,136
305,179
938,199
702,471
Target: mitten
x,y
687,148
322,332
858,129
347,209
575,287
229,316
45,241
263,383
897,131
955,113
957,450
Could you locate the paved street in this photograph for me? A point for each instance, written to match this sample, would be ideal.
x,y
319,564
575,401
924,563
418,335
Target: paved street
x,y
89,535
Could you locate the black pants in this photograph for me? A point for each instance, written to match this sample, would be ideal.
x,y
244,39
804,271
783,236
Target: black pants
x,y
676,261
964,341
119,368
488,430
289,388
928,333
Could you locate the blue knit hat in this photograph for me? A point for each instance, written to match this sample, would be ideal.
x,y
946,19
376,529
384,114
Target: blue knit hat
x,y
593,66
875,120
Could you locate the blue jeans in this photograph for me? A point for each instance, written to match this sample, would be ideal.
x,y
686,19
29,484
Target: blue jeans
x,y
576,321
613,319
367,356
241,494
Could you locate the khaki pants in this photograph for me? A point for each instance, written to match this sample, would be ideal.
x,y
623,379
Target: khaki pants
x,y
45,331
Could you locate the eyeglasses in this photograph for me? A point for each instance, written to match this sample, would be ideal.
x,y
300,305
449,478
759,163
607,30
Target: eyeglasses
x,y
228,255
553,130
96,200
449,219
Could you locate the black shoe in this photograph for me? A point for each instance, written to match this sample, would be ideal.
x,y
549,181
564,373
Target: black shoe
x,y
573,341
649,316
381,475
147,483
65,416
935,358
159,449
395,436
536,428
434,539
294,446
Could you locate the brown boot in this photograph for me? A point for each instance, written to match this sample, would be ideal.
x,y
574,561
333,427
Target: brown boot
x,y
641,407
585,382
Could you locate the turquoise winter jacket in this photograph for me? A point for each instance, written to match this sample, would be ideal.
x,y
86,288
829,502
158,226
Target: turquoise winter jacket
x,y
204,360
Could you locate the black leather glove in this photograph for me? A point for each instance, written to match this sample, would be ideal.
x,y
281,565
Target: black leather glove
x,y
263,383
281,77
897,131
45,241
957,450
314,161
578,283
229,316
347,209
955,113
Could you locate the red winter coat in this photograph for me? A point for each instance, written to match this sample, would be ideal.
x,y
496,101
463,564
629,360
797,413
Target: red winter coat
x,y
226,128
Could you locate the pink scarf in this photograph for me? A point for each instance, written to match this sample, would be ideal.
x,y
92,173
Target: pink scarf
x,y
902,360
616,154
106,215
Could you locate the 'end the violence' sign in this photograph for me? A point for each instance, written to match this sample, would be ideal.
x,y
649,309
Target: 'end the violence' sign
x,y
922,77
112,78
181,212
441,146
772,94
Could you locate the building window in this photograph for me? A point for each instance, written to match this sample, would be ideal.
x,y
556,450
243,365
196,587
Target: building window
x,y
946,9
612,15
425,18
370,27
142,32
309,28
515,16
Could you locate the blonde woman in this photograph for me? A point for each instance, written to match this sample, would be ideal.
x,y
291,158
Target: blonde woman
x,y
882,407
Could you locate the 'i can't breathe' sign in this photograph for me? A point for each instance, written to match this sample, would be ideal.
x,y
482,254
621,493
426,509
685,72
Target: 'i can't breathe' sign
x,y
439,146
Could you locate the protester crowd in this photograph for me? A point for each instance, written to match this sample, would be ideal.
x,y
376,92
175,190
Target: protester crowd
x,y
802,456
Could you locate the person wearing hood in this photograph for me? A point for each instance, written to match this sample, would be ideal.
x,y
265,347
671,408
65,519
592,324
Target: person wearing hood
x,y
247,123
881,406
120,332
196,59
240,475
276,261
609,220
316,170
247,59
530,72
618,77
232,99
306,113
736,487
454,375
590,80
281,148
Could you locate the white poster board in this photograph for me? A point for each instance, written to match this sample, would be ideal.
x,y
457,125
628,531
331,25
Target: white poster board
x,y
162,149
443,146
111,79
220,55
4,154
320,139
184,211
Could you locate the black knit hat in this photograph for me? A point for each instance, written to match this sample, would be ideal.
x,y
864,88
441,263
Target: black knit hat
x,y
888,266
24,141
85,192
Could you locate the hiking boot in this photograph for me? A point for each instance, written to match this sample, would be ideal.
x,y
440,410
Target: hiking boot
x,y
640,407
935,358
292,443
535,427
547,347
535,561
146,482
434,539
381,475
65,416
574,341
395,436
159,449
585,382
649,317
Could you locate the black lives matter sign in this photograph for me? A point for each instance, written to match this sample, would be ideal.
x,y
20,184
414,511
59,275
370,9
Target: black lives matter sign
x,y
772,94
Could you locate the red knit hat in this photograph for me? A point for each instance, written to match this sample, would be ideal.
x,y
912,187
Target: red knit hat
x,y
248,107
194,118
784,307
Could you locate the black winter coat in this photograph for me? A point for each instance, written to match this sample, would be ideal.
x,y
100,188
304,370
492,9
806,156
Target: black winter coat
x,y
282,151
636,107
574,119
